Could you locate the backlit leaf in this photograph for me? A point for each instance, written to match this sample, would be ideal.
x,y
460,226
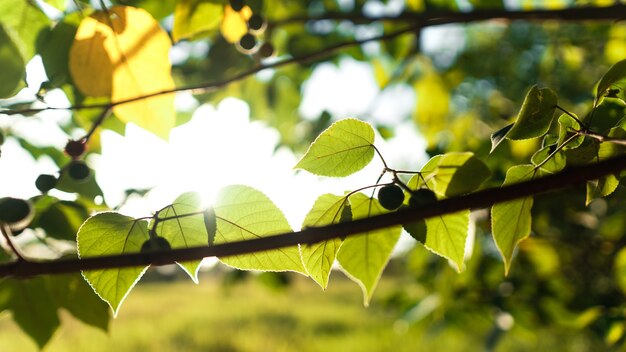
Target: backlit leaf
x,y
452,174
32,306
613,82
12,64
446,236
193,18
510,221
124,57
245,213
607,184
23,21
108,234
498,136
536,115
341,150
72,292
184,231
234,24
318,258
363,257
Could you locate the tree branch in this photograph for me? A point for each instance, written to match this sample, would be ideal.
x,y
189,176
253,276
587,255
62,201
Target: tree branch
x,y
416,20
433,18
481,199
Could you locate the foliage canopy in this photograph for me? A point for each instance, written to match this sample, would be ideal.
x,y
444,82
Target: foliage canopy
x,y
509,107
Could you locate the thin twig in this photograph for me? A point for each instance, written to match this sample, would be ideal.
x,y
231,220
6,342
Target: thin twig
x,y
418,20
481,199
6,233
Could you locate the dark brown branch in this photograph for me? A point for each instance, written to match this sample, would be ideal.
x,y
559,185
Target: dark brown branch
x,y
482,199
616,12
416,20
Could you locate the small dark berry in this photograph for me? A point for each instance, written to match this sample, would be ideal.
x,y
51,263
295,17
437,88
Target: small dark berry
x,y
237,5
256,23
44,183
14,211
75,148
78,170
390,197
247,42
266,50
155,244
422,197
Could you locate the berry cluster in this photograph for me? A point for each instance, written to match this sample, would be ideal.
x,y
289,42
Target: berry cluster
x,y
391,197
256,26
76,169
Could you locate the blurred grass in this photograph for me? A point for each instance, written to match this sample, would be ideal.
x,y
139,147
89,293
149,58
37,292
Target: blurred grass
x,y
249,316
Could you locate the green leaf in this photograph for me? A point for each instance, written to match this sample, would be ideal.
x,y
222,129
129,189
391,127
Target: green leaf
x,y
195,18
61,219
586,153
606,150
108,234
446,236
554,164
498,136
567,127
535,117
22,21
71,291
12,64
318,258
452,174
613,82
54,48
184,232
510,221
88,188
363,257
341,150
245,213
32,306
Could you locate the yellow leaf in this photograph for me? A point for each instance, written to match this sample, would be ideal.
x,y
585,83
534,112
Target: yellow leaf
x,y
124,57
235,24
433,103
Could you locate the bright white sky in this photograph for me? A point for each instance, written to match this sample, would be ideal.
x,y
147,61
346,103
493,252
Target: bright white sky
x,y
222,146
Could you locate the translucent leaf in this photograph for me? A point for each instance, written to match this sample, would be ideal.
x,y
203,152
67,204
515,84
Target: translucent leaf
x,y
433,104
363,257
567,127
62,219
607,184
55,48
341,150
32,306
536,115
245,213
613,82
194,18
498,136
108,234
510,221
554,164
234,24
318,258
186,231
12,64
128,60
452,174
23,21
446,236
584,154
70,291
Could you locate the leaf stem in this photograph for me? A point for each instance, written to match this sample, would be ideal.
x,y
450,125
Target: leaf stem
x,y
572,116
6,233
